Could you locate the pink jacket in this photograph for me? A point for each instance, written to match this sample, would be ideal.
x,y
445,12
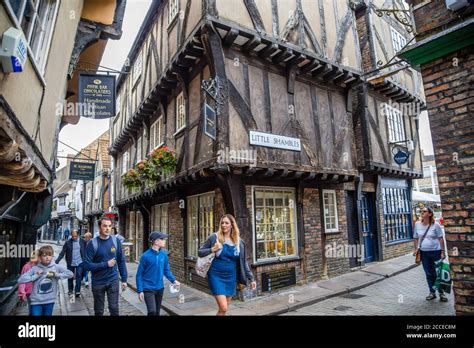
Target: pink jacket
x,y
26,287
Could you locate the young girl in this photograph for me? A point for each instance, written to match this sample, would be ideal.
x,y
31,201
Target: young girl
x,y
24,290
153,266
45,276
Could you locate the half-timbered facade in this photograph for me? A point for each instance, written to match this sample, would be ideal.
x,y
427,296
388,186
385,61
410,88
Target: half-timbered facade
x,y
258,100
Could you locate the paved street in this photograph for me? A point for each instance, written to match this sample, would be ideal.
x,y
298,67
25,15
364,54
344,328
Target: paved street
x,y
403,294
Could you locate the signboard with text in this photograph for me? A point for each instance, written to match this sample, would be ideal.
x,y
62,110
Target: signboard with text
x,y
97,96
278,279
275,141
82,171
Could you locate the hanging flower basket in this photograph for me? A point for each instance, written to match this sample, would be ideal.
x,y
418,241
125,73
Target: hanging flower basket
x,y
132,179
164,159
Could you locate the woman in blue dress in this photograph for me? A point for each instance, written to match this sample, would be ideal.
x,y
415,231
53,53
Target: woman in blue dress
x,y
229,266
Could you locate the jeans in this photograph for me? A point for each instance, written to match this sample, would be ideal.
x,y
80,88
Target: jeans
x,y
86,277
112,290
428,259
42,309
153,300
78,271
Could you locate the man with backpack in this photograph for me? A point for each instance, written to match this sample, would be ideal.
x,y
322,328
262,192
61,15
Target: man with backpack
x,y
105,260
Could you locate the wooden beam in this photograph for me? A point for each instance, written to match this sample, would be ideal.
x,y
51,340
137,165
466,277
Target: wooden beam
x,y
230,37
268,51
282,56
310,66
255,15
251,44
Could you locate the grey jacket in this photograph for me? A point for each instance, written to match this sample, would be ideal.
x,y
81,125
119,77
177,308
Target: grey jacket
x,y
44,289
243,270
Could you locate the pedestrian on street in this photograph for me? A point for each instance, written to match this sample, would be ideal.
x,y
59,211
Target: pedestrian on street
x,y
24,289
66,233
428,237
230,266
105,260
87,238
153,266
75,251
59,234
45,276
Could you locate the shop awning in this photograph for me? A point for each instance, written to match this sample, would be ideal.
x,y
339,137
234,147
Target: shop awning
x,y
425,197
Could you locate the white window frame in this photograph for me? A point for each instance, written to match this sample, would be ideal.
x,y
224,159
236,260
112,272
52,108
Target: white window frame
x,y
157,134
173,10
398,40
89,194
139,148
254,236
39,56
395,124
157,214
180,113
137,69
96,195
125,157
325,213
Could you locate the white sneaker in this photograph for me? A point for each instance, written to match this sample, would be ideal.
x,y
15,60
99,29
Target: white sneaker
x,y
86,284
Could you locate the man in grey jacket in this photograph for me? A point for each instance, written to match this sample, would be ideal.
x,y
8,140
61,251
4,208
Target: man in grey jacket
x,y
45,277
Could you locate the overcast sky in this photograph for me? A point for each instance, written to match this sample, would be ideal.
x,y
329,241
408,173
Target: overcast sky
x,y
86,131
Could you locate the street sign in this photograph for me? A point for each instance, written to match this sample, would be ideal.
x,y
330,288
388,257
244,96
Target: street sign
x,y
97,93
82,171
401,157
275,141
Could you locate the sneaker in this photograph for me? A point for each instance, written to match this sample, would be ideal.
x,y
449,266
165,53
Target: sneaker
x,y
431,296
442,297
78,294
86,284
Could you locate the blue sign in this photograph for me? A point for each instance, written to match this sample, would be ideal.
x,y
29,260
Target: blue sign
x,y
401,157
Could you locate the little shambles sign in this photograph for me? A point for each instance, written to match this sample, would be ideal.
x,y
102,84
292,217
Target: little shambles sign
x,y
275,141
82,171
98,91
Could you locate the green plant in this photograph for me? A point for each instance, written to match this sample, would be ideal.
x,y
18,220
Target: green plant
x,y
164,159
132,179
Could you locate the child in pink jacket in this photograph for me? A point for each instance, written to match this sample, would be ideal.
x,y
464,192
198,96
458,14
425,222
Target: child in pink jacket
x,y
24,290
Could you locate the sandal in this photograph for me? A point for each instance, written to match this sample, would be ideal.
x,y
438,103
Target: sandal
x,y
442,297
431,296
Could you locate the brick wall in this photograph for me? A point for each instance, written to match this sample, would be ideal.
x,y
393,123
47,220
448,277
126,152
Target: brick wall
x,y
312,234
450,100
176,245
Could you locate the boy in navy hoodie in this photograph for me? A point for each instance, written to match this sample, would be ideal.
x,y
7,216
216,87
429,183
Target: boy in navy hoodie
x,y
153,266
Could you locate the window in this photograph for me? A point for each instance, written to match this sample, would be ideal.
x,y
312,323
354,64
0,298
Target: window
x,y
173,10
200,221
330,211
398,40
139,149
97,191
62,201
396,128
275,223
36,19
180,112
137,69
160,218
157,133
125,162
397,214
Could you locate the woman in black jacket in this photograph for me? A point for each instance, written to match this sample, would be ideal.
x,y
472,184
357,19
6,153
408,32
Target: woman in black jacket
x,y
229,266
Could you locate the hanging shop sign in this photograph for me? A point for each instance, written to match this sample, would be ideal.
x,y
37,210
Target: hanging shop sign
x,y
209,121
97,95
82,171
275,141
401,157
278,279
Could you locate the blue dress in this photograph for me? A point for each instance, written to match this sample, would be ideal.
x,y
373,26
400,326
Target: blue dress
x,y
222,275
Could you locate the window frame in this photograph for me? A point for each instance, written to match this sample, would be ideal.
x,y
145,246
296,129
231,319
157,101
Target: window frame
x,y
125,158
395,124
398,40
295,255
175,5
160,125
211,195
179,127
389,207
336,215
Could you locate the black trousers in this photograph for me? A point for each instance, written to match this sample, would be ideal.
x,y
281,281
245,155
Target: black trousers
x,y
153,300
112,289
